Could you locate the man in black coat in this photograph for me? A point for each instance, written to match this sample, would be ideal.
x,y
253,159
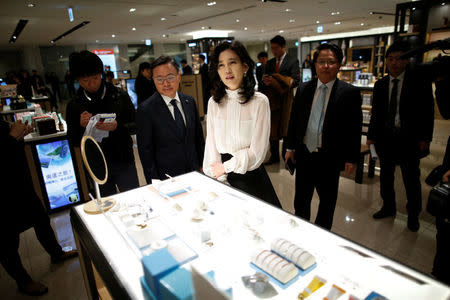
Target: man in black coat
x,y
324,135
285,65
22,210
204,72
144,86
169,133
96,96
401,127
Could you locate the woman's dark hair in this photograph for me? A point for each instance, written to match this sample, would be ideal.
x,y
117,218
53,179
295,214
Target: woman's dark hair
x,y
85,63
248,83
333,48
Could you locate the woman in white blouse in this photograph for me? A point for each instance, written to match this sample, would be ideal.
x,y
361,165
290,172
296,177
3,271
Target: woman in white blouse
x,y
238,124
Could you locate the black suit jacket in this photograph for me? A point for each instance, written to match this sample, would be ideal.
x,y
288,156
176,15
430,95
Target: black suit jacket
x,y
161,150
416,114
341,134
289,67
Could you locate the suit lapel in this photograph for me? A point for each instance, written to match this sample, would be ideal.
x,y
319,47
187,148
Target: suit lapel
x,y
186,109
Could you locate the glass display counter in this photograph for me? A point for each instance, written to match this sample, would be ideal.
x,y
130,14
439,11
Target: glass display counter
x,y
207,227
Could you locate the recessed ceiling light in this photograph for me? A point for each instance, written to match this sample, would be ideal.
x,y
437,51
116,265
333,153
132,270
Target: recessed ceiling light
x,y
113,35
134,28
262,30
237,20
287,10
163,19
203,27
245,28
96,41
317,22
211,3
31,5
335,13
443,3
413,8
132,9
164,35
291,21
337,23
362,24
281,31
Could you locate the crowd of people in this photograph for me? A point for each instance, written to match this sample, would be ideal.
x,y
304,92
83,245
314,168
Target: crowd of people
x,y
320,126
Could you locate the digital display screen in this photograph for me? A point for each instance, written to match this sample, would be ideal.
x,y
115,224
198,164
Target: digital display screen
x,y
58,172
306,75
131,92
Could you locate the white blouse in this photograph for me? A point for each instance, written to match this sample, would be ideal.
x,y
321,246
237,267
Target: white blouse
x,y
241,130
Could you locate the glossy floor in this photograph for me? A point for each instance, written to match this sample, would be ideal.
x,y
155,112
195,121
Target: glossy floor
x,y
353,220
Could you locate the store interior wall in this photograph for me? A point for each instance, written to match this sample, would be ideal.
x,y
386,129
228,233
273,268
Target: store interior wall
x,y
437,15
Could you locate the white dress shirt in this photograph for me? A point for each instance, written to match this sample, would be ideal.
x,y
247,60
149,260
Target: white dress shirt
x,y
169,105
400,78
241,130
327,98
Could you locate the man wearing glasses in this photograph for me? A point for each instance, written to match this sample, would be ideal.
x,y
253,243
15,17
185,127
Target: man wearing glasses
x,y
169,133
324,135
401,127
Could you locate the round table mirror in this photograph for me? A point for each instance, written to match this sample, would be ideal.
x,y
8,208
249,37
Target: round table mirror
x,y
95,163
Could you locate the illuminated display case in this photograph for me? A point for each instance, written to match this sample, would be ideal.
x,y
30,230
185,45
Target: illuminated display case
x,y
221,231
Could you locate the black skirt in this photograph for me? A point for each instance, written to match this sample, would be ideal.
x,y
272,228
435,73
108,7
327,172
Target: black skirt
x,y
256,183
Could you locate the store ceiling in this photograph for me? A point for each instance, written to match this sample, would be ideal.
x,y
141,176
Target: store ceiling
x,y
263,20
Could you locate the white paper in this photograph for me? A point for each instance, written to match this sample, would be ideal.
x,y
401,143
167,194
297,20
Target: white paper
x,y
98,134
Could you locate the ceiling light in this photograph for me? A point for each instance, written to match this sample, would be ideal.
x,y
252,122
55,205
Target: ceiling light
x,y
287,10
413,8
74,28
291,21
96,41
203,27
163,19
443,3
281,31
31,5
132,9
237,20
372,31
362,24
113,35
52,42
211,3
134,28
245,28
337,23
20,25
262,30
335,13
209,33
317,22
164,35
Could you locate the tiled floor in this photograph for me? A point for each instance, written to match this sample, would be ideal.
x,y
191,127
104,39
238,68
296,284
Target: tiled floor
x,y
356,204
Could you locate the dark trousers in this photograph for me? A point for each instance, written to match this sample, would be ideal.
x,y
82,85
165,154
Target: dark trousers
x,y
316,170
275,150
441,265
9,255
122,174
411,179
256,183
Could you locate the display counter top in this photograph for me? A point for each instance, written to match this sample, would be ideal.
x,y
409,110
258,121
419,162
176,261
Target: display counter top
x,y
225,228
34,136
7,109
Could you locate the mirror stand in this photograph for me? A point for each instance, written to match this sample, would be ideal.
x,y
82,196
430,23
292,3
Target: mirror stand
x,y
94,155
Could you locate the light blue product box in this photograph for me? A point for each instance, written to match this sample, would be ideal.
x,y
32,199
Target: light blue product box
x,y
177,285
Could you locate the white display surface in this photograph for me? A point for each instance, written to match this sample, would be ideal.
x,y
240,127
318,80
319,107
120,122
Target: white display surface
x,y
238,225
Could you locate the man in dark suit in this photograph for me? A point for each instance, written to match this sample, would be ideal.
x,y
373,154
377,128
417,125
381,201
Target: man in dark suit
x,y
324,135
263,57
401,127
187,70
280,99
169,132
204,72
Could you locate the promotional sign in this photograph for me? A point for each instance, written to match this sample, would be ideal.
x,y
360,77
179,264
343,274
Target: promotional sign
x,y
59,173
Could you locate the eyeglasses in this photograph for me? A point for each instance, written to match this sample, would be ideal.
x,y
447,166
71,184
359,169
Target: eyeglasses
x,y
326,62
169,78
